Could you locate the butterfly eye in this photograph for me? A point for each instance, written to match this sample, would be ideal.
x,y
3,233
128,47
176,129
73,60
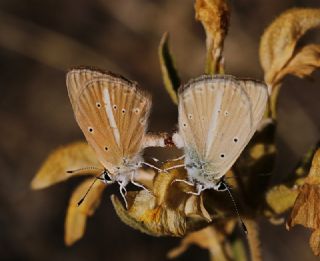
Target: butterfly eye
x,y
90,129
226,113
222,155
123,111
105,148
184,125
219,111
190,116
114,107
98,105
235,140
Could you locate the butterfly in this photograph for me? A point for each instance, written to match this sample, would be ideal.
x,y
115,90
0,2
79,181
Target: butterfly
x,y
218,115
112,113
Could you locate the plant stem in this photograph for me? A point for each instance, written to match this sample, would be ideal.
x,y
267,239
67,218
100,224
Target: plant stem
x,y
253,240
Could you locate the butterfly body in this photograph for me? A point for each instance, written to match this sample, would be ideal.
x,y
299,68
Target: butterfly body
x,y
217,117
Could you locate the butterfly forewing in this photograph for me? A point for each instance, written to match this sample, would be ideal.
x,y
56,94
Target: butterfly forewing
x,y
76,79
112,114
217,118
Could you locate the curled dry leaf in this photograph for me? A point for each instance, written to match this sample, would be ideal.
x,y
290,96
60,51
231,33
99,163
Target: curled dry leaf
x,y
207,238
70,157
215,18
167,210
303,63
278,43
306,209
76,218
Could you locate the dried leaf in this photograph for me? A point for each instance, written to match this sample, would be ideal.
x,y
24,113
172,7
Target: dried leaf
x,y
207,238
278,42
215,18
169,73
76,218
70,157
303,63
306,209
315,242
125,217
281,198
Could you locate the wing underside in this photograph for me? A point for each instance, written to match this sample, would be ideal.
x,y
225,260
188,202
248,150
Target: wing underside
x,y
112,113
218,116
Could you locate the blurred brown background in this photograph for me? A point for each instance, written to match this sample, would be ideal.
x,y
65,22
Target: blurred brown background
x,y
40,39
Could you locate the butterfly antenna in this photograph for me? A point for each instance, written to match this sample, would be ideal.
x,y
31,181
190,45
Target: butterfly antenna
x,y
82,169
243,226
90,187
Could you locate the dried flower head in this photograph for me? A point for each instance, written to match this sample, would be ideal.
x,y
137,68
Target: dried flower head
x,y
168,210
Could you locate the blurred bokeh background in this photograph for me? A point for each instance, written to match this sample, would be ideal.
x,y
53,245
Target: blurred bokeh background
x,y
40,40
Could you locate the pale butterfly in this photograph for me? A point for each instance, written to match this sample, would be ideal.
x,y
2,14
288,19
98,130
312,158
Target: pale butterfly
x,y
218,115
112,113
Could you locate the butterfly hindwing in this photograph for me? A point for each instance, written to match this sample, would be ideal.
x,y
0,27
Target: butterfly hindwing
x,y
217,117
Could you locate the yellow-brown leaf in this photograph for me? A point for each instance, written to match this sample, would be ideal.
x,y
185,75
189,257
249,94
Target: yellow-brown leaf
x,y
315,242
169,73
76,218
303,63
281,198
70,157
207,238
306,211
278,42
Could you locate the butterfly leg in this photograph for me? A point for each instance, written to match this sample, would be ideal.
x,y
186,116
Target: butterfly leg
x,y
200,188
138,184
183,181
174,167
151,166
123,193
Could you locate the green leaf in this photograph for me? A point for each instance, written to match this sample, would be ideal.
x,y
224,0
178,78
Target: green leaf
x,y
169,73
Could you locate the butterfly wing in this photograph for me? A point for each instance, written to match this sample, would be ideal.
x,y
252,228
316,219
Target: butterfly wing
x,y
76,79
217,117
258,95
112,113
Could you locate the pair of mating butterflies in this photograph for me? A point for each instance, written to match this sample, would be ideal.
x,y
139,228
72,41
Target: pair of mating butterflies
x,y
217,117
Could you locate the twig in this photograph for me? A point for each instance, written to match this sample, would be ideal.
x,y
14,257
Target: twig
x,y
253,240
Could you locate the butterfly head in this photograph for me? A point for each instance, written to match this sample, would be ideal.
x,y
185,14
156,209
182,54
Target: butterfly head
x,y
124,168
